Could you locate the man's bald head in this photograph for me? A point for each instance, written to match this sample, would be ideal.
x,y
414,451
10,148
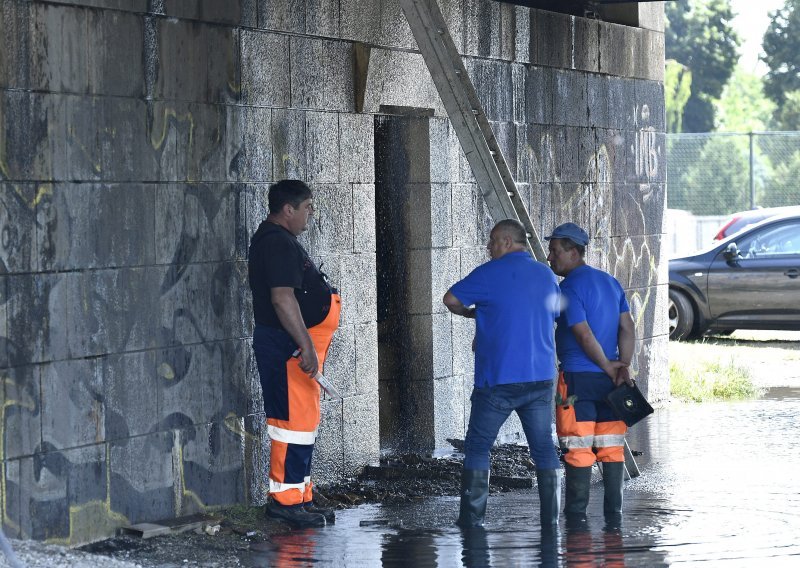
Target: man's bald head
x,y
508,235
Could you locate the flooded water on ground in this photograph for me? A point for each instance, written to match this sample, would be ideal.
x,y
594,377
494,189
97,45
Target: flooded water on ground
x,y
720,486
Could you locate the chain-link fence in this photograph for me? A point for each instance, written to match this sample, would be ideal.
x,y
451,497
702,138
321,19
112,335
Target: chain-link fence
x,y
720,173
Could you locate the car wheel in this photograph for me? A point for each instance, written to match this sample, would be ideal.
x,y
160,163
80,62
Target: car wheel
x,y
681,316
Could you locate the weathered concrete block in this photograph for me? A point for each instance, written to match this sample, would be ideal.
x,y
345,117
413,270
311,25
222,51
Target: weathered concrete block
x,y
522,34
328,463
14,44
441,216
194,223
18,215
109,311
4,339
202,142
165,123
235,12
358,286
188,382
570,106
571,202
653,47
394,30
453,12
634,260
115,43
603,205
254,160
36,312
131,384
65,495
648,306
265,58
338,88
442,345
507,32
580,146
622,103
84,148
331,228
506,135
322,147
646,160
465,215
617,49
366,365
323,17
33,135
59,48
449,418
143,477
597,100
235,386
586,55
360,432
491,80
650,105
640,209
612,155
552,33
652,368
539,89
418,278
416,213
211,466
462,332
519,78
444,264
224,63
397,78
125,150
282,16
340,365
364,240
73,239
254,197
357,154
306,66
470,258
360,21
73,407
443,160
256,456
482,28
182,60
22,418
288,144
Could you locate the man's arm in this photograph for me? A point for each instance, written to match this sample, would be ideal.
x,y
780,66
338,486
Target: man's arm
x,y
454,305
288,310
625,343
588,342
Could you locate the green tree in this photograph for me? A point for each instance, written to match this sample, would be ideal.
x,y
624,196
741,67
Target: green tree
x,y
743,106
788,115
677,90
700,36
781,47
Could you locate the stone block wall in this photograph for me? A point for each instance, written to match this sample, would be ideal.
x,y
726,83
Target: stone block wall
x,y
137,142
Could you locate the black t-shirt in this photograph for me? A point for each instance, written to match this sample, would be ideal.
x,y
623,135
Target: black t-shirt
x,y
277,260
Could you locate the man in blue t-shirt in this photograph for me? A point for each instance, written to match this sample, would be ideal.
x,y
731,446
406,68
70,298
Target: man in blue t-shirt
x,y
514,300
595,340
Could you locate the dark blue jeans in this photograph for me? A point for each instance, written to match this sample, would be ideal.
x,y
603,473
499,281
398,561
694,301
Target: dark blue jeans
x,y
491,406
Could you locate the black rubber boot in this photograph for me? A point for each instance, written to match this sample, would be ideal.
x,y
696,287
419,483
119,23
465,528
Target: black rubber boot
x,y
295,515
549,483
474,494
576,496
613,477
327,512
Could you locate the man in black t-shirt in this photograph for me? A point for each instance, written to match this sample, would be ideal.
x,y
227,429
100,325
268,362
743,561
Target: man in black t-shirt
x,y
296,313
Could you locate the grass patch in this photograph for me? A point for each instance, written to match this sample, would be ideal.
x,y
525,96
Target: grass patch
x,y
712,380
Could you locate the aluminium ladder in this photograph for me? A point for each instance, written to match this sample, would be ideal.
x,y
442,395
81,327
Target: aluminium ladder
x,y
474,132
467,117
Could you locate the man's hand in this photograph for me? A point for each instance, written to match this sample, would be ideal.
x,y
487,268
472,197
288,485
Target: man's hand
x,y
611,368
309,362
623,376
455,306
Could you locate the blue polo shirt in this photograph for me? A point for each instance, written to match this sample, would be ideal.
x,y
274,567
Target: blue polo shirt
x,y
516,300
593,296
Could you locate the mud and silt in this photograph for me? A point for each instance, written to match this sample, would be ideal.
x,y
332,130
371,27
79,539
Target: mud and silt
x,y
398,479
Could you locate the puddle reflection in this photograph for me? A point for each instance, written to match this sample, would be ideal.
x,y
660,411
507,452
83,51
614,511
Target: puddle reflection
x,y
719,485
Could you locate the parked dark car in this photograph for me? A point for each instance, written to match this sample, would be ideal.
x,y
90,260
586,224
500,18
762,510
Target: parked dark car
x,y
750,280
743,219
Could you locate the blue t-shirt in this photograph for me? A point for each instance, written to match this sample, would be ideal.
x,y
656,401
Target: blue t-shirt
x,y
593,296
516,301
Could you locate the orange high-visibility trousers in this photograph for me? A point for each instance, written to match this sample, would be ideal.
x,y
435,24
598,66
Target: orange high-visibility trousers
x,y
587,428
292,440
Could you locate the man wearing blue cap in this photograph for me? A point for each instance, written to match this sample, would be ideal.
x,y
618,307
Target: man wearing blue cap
x,y
594,342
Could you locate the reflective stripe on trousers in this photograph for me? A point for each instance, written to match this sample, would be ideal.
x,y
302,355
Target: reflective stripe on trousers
x,y
587,441
293,439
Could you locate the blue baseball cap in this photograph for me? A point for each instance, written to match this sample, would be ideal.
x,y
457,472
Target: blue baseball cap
x,y
570,231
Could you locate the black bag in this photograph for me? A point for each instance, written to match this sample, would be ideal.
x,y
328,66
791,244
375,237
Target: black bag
x,y
629,404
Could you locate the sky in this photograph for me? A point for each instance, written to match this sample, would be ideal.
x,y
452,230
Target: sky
x,y
751,23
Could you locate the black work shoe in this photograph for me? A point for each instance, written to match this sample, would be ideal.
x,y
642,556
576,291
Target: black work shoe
x,y
327,512
295,515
